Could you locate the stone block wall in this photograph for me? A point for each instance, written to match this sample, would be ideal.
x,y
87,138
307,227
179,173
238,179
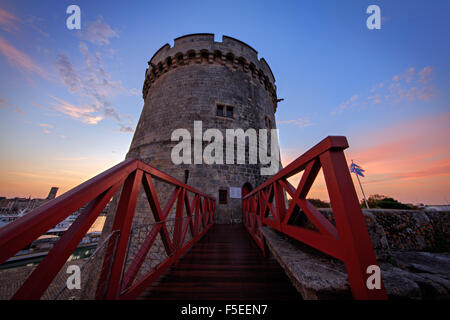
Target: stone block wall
x,y
405,230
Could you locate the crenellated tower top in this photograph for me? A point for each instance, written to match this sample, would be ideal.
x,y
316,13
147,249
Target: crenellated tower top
x,y
201,48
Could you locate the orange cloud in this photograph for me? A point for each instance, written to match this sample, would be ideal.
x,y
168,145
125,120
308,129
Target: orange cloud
x,y
20,178
19,59
409,161
319,189
441,168
83,114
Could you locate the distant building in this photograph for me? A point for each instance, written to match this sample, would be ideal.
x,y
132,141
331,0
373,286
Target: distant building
x,y
52,193
19,206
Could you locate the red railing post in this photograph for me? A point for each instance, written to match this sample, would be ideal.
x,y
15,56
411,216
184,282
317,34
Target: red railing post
x,y
352,230
196,213
280,201
41,277
96,193
122,222
179,222
349,241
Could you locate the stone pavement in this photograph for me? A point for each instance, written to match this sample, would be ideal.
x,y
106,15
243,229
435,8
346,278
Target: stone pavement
x,y
11,280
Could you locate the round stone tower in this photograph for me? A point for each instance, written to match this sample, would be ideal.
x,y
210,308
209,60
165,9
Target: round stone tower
x,y
222,84
225,86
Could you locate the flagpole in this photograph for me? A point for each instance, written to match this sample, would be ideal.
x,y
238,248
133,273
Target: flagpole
x,y
362,190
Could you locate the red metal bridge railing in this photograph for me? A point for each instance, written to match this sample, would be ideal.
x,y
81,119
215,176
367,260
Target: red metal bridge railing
x,y
94,195
348,241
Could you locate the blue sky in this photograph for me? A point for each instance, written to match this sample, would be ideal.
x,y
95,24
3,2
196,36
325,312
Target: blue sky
x,y
69,99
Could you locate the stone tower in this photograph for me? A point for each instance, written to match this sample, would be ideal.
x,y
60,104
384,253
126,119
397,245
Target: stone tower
x,y
224,85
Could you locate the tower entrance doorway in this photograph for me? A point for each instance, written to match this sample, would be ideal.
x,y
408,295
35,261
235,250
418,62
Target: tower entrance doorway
x,y
246,188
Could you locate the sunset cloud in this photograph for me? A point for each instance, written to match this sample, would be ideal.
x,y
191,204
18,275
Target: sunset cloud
x,y
407,86
98,32
69,76
126,129
409,161
83,114
45,125
19,59
4,104
408,76
300,122
350,103
8,21
93,86
406,158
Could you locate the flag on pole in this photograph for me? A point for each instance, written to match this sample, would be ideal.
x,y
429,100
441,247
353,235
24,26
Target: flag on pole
x,y
357,169
359,172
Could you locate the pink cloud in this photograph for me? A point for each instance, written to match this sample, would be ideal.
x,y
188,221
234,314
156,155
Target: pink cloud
x,y
408,86
45,125
8,21
439,168
425,75
411,158
409,161
83,114
99,32
4,104
300,122
19,59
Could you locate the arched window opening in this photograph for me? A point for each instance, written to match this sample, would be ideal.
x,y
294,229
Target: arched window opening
x,y
230,57
204,55
217,55
242,62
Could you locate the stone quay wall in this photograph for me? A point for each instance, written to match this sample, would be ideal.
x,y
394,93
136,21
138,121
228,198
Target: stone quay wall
x,y
412,248
405,230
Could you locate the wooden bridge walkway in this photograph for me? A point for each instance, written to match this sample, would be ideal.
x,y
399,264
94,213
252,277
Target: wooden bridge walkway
x,y
225,264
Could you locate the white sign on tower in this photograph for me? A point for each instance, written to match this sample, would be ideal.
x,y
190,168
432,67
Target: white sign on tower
x,y
235,193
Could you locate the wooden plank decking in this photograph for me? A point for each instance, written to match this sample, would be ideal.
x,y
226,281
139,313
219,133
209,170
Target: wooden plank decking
x,y
224,265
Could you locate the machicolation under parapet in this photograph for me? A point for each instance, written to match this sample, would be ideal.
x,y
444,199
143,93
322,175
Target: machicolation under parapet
x,y
201,48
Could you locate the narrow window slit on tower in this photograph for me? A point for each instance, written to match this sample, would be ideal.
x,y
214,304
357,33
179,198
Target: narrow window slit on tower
x,y
220,109
268,122
229,112
223,196
186,176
